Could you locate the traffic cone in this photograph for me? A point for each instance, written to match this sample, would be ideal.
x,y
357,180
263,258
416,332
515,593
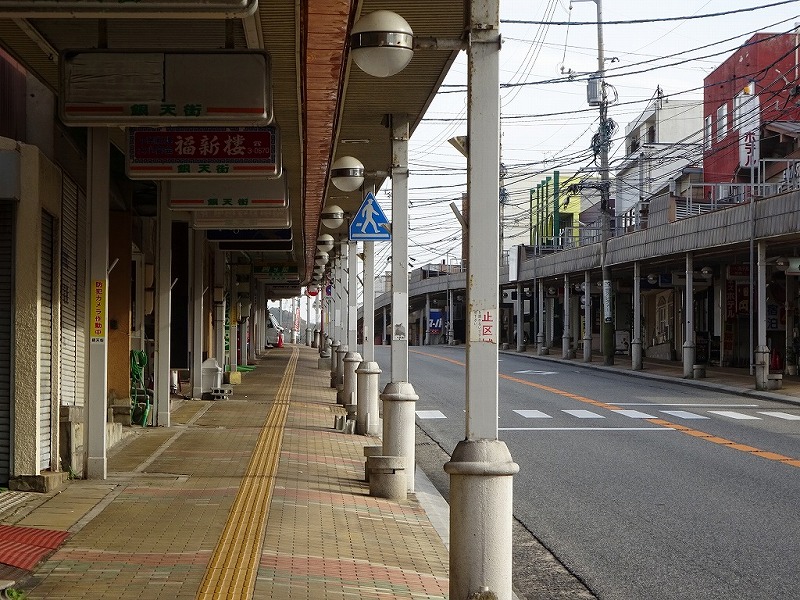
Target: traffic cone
x,y
280,340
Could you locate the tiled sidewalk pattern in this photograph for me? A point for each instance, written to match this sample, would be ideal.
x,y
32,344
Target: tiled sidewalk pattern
x,y
150,531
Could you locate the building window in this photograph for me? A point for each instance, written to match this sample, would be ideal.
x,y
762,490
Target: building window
x,y
707,133
722,122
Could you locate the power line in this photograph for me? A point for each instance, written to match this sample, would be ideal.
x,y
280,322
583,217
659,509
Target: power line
x,y
657,20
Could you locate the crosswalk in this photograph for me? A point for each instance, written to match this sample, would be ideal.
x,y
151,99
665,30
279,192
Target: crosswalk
x,y
655,413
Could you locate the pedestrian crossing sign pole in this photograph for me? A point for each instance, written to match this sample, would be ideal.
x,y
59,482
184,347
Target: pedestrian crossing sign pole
x,y
370,223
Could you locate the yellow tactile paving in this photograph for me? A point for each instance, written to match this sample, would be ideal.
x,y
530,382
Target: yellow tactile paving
x,y
232,569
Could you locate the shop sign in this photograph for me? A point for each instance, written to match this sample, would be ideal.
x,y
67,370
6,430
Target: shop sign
x,y
204,153
279,273
174,88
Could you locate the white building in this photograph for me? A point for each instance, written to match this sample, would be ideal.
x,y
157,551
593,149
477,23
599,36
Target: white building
x,y
659,144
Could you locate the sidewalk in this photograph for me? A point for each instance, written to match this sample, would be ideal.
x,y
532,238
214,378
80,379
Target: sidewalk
x,y
257,496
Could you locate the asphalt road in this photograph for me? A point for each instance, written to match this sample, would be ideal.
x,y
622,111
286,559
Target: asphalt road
x,y
621,482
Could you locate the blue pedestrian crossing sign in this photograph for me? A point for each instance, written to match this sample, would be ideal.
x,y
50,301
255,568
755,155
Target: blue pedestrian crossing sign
x,y
370,223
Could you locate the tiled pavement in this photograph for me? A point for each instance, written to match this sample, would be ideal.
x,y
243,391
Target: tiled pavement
x,y
163,524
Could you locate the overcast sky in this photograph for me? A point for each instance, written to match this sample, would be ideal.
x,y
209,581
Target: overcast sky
x,y
547,124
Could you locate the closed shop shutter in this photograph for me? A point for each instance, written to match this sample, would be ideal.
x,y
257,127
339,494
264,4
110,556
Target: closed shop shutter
x,y
6,320
46,342
73,292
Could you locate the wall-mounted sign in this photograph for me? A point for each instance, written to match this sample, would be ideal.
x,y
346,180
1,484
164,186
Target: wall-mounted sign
x,y
204,153
156,88
98,312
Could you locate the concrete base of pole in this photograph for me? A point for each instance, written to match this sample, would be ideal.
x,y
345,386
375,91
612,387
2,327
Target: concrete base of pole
x,y
315,339
341,352
334,345
367,421
399,402
387,477
309,337
370,451
350,363
566,341
541,350
587,349
481,516
521,348
688,360
636,355
761,364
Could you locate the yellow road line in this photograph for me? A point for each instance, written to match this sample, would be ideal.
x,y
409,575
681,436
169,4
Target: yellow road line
x,y
232,570
787,460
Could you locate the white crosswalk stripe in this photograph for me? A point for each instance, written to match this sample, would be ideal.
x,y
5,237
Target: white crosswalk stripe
x,y
430,414
684,414
533,414
781,415
583,414
633,414
735,415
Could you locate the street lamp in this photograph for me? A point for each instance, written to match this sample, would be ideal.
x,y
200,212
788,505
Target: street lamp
x,y
325,242
382,43
332,216
347,173
480,467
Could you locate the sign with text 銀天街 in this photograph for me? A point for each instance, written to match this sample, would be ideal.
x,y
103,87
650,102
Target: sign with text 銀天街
x,y
98,311
203,153
165,88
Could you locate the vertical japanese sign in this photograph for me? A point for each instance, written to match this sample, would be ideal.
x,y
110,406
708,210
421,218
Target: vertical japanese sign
x,y
483,325
98,311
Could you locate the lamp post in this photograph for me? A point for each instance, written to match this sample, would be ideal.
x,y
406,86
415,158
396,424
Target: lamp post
x,y
480,468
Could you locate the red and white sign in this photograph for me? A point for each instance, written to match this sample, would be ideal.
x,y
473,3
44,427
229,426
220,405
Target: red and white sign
x,y
203,152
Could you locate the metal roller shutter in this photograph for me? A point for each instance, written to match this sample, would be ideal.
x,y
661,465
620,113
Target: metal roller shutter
x,y
72,298
46,342
6,320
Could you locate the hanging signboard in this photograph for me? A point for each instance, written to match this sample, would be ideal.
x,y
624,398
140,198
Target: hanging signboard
x,y
229,194
204,153
117,9
155,88
277,273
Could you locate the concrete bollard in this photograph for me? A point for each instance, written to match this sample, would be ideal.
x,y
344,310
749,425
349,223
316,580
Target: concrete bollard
x,y
399,400
341,352
387,477
370,451
350,363
699,371
367,416
334,346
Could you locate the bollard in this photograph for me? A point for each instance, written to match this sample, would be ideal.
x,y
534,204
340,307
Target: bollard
x,y
387,477
350,363
699,371
334,346
367,419
341,352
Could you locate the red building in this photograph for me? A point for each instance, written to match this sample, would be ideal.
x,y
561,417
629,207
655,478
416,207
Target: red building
x,y
751,109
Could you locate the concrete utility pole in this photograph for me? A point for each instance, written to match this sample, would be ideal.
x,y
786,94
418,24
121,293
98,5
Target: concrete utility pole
x,y
603,140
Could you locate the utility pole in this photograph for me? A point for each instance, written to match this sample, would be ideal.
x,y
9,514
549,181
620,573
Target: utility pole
x,y
603,141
